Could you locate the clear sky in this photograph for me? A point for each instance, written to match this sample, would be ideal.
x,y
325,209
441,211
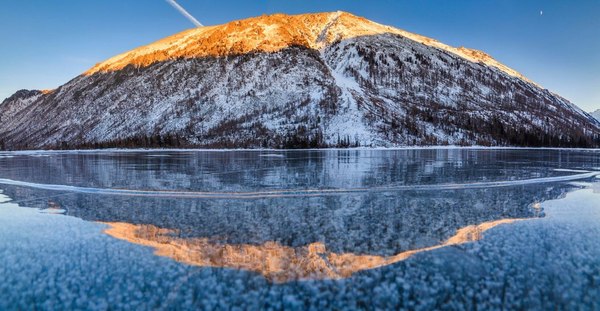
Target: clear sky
x,y
553,42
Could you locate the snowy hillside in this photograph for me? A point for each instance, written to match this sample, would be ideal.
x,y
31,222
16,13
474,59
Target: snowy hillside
x,y
313,80
596,114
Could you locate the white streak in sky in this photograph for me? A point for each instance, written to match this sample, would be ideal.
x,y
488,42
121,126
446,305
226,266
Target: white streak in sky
x,y
185,13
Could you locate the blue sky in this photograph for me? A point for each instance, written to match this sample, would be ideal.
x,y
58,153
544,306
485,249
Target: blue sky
x,y
47,43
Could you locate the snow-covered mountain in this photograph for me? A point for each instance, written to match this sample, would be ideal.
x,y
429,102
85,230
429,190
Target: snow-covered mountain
x,y
312,80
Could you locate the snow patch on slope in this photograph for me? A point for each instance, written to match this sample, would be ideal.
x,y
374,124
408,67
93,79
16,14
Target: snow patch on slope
x,y
596,114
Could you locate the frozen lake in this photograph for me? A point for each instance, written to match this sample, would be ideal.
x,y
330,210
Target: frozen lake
x,y
331,229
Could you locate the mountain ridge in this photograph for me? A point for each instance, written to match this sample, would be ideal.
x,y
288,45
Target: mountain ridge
x,y
310,30
314,80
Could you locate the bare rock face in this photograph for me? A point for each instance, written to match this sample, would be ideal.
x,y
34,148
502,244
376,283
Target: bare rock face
x,y
279,81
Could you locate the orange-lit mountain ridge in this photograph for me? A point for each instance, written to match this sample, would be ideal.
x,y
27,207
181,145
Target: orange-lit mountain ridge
x,y
271,33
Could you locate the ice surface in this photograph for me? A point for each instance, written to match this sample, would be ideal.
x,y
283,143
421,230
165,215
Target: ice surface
x,y
550,261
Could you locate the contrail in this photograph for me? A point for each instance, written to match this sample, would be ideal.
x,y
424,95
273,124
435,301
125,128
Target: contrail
x,y
185,13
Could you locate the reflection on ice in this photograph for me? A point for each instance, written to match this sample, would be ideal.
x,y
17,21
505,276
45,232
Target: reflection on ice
x,y
377,203
276,262
382,224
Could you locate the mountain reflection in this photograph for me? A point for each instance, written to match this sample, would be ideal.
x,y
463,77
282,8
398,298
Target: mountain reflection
x,y
319,236
275,262
380,223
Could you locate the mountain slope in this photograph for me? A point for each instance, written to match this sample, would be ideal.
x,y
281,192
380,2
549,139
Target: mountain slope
x,y
596,114
313,80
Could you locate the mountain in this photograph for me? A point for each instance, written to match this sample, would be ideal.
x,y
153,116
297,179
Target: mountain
x,y
312,80
596,114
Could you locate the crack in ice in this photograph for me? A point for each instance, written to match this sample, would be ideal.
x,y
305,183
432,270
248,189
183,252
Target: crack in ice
x,y
293,192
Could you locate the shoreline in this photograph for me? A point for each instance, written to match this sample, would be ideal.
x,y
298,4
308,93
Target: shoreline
x,y
398,148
